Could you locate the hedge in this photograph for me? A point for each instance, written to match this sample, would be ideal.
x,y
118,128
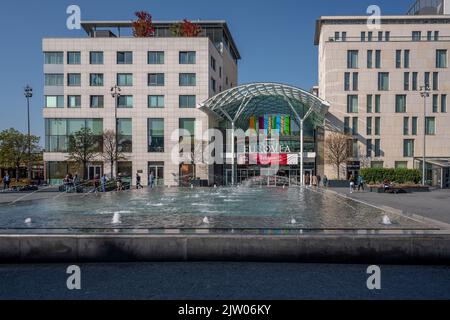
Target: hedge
x,y
379,175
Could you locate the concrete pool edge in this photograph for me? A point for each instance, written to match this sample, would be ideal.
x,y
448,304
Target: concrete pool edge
x,y
367,249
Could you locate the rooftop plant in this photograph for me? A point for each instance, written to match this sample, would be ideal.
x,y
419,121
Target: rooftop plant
x,y
143,26
186,29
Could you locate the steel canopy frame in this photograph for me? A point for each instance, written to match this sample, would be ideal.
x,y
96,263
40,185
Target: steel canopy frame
x,y
238,104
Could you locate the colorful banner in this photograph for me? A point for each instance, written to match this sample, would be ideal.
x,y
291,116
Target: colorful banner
x,y
263,159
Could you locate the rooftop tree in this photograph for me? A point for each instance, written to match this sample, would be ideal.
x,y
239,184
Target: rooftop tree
x,y
143,26
186,29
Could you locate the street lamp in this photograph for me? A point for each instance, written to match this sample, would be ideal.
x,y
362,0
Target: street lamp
x,y
424,93
28,92
116,93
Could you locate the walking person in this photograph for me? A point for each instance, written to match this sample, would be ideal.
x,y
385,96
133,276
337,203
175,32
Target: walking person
x,y
119,183
138,182
360,183
325,181
76,182
352,183
150,180
319,180
103,181
96,183
6,181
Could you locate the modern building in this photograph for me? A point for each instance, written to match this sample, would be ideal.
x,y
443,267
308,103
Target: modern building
x,y
162,80
373,77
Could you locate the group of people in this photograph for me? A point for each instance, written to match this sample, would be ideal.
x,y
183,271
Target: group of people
x,y
356,183
71,182
316,181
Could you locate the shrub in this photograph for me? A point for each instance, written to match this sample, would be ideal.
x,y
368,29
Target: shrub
x,y
379,175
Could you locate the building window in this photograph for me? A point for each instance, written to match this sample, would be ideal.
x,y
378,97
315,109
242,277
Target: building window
x,y
426,78
124,57
352,104
416,36
347,81
408,148
401,164
54,57
441,58
156,57
355,81
74,79
187,102
435,81
347,125
187,79
352,59
400,103
380,36
187,135
156,101
97,102
74,101
344,36
369,148
96,79
414,126
125,79
377,148
377,103
54,101
52,79
415,81
355,127
156,79
363,36
156,135
213,63
398,59
74,57
444,103
125,102
377,126
406,81
369,126
369,59
430,126
406,59
213,85
125,135
435,103
406,126
377,164
96,57
388,36
369,103
369,36
383,81
378,59
187,57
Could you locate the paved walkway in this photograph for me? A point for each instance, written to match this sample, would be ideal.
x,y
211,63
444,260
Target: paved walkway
x,y
433,205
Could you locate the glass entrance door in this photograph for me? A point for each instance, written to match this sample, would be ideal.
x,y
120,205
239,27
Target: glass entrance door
x,y
156,174
95,170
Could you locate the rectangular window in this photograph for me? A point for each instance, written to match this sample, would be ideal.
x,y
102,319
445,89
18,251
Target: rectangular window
x,y
96,57
344,36
383,81
54,57
352,59
125,102
430,126
337,36
441,58
378,59
435,103
97,102
435,81
187,102
54,101
444,103
377,103
347,81
187,134
352,104
406,59
408,148
400,103
401,164
156,79
156,135
213,85
377,148
406,126
415,81
429,35
355,81
187,79
369,36
347,125
187,57
380,35
369,148
369,126
369,59
124,57
416,36
414,126
74,79
125,135
369,103
73,57
377,164
74,101
96,79
125,79
388,36
377,126
363,36
156,101
54,79
398,59
355,127
426,79
213,63
156,57
406,81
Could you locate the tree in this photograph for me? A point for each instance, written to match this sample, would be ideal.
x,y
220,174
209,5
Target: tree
x,y
336,150
143,26
83,148
14,149
111,154
185,29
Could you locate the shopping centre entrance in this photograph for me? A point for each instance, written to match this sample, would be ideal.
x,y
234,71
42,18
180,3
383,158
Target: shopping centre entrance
x,y
285,121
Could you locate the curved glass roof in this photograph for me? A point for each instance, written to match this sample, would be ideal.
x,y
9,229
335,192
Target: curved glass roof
x,y
258,99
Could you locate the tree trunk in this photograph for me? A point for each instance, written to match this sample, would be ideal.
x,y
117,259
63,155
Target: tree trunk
x,y
17,173
85,171
338,167
112,170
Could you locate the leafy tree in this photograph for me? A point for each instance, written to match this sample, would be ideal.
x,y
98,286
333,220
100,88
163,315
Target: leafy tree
x,y
14,149
83,148
111,153
143,26
336,150
185,29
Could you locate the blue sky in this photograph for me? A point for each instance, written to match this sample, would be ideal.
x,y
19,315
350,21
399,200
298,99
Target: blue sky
x,y
275,38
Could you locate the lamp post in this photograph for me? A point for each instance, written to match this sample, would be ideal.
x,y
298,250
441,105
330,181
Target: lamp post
x,y
28,95
424,93
116,93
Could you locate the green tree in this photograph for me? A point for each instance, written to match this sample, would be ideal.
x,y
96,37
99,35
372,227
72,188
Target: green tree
x,y
14,149
111,154
83,148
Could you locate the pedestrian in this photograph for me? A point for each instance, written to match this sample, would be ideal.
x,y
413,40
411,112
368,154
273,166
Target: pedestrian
x,y
6,181
66,183
352,183
325,181
307,179
119,183
319,180
314,181
138,182
104,180
150,180
96,183
76,182
360,183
